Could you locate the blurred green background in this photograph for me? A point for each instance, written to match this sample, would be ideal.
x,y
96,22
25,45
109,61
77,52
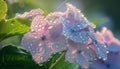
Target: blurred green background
x,y
91,8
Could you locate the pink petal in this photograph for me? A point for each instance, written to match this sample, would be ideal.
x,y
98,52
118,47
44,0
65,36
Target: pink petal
x,y
38,23
54,15
99,37
112,42
107,34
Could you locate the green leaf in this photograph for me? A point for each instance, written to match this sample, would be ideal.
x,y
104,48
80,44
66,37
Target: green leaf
x,y
12,57
3,9
47,64
14,40
58,61
61,63
13,27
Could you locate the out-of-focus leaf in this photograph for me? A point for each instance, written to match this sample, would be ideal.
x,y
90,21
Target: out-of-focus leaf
x,y
14,27
12,57
99,21
3,9
20,6
14,40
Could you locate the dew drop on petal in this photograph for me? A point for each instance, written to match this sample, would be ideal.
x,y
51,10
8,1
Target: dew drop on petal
x,y
41,64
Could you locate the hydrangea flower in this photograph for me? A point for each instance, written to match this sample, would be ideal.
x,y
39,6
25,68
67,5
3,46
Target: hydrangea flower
x,y
45,38
81,54
113,45
112,62
31,14
77,28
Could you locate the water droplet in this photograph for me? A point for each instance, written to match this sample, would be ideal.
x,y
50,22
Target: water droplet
x,y
104,59
105,46
99,57
60,52
29,47
41,64
56,60
33,51
40,44
50,27
68,21
107,51
35,37
41,58
78,26
82,15
78,11
36,26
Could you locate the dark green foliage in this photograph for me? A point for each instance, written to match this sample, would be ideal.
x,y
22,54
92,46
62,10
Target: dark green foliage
x,y
12,57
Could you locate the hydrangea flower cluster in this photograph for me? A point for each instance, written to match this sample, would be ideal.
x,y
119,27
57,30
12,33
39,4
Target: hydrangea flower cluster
x,y
77,28
68,30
